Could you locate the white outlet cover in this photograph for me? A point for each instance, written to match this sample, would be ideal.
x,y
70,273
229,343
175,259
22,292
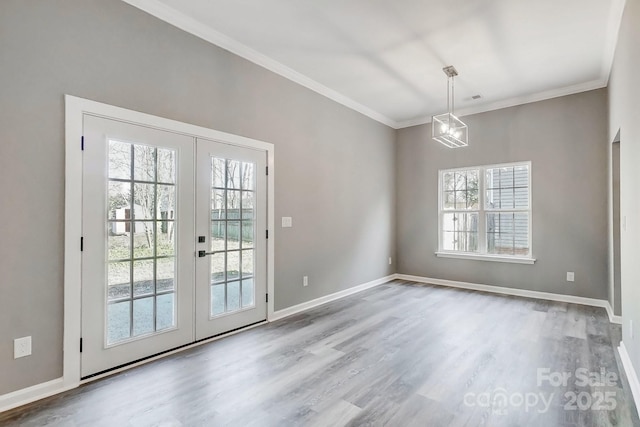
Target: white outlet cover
x,y
287,222
21,347
570,276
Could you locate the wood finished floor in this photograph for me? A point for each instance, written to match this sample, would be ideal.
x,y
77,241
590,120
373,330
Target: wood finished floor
x,y
400,354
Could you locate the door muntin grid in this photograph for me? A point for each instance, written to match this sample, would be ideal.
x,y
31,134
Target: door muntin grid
x,y
141,285
233,235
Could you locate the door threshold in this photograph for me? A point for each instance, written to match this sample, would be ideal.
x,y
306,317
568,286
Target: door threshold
x,y
162,355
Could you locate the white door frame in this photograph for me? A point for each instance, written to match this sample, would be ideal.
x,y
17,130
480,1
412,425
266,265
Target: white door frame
x,y
75,109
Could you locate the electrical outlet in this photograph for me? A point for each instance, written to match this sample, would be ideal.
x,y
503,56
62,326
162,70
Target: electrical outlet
x,y
287,222
570,276
21,347
390,260
305,281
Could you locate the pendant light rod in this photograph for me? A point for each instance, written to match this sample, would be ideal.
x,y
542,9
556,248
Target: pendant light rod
x,y
451,72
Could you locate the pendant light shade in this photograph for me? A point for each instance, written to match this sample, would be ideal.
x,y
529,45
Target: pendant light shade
x,y
446,128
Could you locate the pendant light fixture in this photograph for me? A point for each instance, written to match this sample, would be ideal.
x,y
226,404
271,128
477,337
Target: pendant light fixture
x,y
446,128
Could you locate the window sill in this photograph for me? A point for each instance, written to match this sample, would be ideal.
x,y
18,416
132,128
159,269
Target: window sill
x,y
483,257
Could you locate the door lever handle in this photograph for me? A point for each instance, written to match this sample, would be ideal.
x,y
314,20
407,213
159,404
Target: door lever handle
x,y
202,254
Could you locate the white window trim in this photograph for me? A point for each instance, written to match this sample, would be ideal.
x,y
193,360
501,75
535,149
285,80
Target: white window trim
x,y
482,211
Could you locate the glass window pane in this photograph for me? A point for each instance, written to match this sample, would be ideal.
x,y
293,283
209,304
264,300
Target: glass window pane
x,y
460,180
247,293
248,204
233,265
449,241
449,200
248,233
247,263
218,204
500,233
233,235
166,166
506,177
144,200
165,238
144,163
521,198
448,181
143,239
118,322
118,280
217,267
233,174
143,277
233,204
218,172
217,299
119,244
166,274
165,311
218,235
449,222
143,316
472,190
233,296
248,177
119,200
521,176
521,231
461,199
492,199
119,160
166,202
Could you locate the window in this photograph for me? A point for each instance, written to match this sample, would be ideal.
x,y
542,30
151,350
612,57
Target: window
x,y
485,212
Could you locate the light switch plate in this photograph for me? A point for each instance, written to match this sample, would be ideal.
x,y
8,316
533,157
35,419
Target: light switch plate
x,y
21,347
570,276
287,222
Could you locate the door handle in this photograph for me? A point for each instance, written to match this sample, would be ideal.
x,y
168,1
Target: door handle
x,y
202,254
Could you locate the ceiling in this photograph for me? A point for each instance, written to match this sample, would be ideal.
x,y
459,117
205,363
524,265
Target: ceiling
x,y
384,58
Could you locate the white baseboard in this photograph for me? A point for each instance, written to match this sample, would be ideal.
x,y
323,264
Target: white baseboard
x,y
612,317
31,394
517,292
632,376
289,311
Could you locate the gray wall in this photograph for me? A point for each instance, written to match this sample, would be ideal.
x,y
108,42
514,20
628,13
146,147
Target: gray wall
x,y
334,167
624,114
566,141
615,297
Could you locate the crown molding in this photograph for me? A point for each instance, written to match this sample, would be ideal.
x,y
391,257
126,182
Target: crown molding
x,y
198,29
515,101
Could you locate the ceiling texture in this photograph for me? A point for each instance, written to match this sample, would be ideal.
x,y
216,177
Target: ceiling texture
x,y
384,58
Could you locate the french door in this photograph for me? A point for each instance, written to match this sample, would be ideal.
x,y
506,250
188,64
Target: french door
x,y
149,282
231,264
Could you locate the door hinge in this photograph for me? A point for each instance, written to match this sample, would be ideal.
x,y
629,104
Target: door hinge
x,y
80,345
82,143
267,299
267,168
81,244
267,234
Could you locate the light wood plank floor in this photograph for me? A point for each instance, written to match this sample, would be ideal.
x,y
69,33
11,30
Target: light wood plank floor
x,y
401,354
